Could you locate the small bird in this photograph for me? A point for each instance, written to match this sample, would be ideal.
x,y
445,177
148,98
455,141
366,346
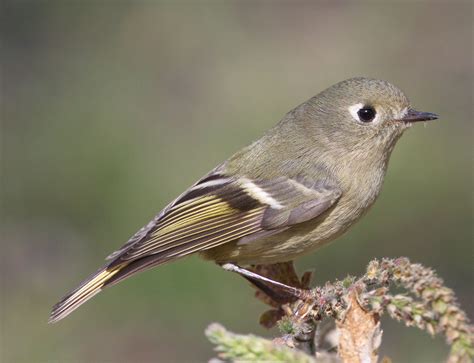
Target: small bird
x,y
300,186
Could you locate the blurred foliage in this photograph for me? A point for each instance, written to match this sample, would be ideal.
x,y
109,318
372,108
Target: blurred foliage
x,y
111,109
238,348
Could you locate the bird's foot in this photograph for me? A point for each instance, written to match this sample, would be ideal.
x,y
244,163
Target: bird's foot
x,y
279,286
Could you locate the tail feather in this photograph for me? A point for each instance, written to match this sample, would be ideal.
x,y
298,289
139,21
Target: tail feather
x,y
86,290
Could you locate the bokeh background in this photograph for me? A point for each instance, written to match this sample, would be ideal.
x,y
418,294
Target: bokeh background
x,y
111,108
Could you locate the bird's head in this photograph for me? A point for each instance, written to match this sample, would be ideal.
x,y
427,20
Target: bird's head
x,y
362,114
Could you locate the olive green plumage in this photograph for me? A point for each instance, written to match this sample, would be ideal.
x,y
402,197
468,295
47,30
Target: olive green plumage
x,y
302,184
321,139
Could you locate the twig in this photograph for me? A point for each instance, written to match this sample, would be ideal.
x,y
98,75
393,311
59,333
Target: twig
x,y
355,305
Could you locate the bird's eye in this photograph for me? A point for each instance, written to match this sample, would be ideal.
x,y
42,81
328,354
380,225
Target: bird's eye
x,y
366,114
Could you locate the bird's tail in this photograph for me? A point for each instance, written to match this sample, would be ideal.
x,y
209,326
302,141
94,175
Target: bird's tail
x,y
86,290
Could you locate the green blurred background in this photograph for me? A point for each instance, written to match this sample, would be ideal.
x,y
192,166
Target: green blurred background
x,y
111,108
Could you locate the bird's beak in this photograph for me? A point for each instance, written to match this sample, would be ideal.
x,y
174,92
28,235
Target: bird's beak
x,y
416,116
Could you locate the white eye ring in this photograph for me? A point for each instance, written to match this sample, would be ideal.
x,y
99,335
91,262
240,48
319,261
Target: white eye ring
x,y
354,111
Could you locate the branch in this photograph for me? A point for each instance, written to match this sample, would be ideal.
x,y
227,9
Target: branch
x,y
360,335
356,305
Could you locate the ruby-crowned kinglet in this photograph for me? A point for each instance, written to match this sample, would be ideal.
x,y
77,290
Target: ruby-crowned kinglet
x,y
305,182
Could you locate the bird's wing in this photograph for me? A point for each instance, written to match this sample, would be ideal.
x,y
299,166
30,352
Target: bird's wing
x,y
218,209
221,209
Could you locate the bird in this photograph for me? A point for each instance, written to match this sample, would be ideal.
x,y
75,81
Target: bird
x,y
300,186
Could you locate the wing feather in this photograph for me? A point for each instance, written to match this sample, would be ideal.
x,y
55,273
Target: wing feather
x,y
206,232
197,217
218,207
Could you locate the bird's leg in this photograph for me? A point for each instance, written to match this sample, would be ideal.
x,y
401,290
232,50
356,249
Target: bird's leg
x,y
279,286
273,288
